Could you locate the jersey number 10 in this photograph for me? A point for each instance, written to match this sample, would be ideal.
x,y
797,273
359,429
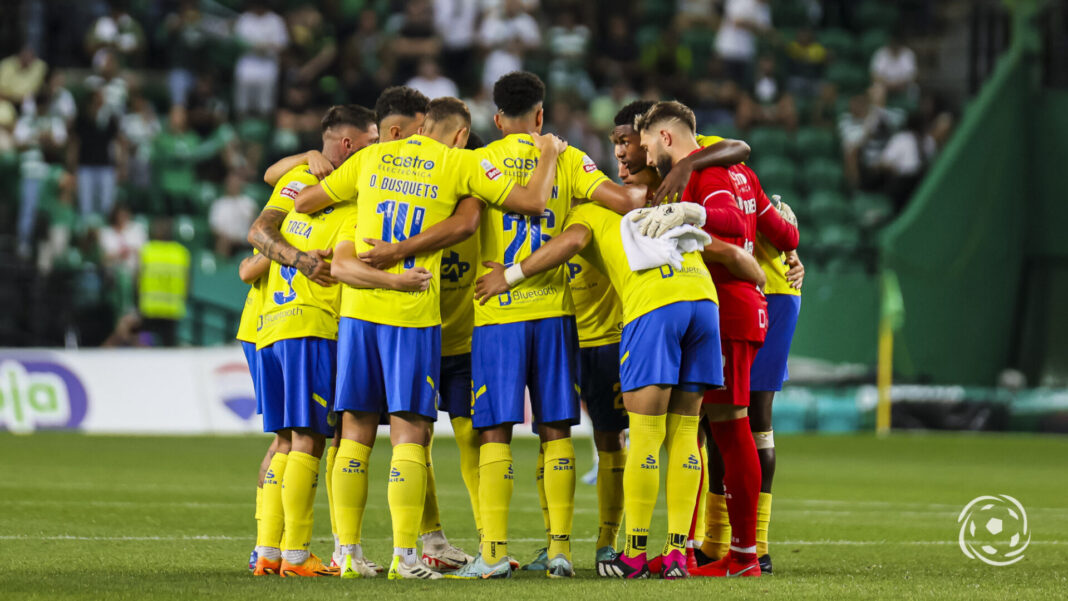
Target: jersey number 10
x,y
394,219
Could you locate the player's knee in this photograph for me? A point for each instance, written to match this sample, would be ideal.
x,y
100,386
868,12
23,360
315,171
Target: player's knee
x,y
554,431
724,413
608,441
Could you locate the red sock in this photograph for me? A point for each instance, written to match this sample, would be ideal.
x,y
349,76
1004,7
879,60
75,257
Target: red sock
x,y
741,481
696,507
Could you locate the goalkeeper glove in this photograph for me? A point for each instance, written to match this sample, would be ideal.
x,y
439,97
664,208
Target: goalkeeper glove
x,y
669,216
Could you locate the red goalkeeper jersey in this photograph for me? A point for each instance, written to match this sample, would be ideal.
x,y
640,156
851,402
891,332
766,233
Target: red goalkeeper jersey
x,y
736,209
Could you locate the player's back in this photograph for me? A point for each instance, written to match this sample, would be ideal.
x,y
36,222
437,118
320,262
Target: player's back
x,y
508,238
640,291
598,310
292,306
457,290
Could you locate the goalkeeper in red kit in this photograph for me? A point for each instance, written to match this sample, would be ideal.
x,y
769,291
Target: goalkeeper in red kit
x,y
735,208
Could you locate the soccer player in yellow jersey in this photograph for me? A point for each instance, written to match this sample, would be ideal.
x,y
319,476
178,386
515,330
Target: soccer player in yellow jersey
x,y
296,330
526,337
390,349
669,354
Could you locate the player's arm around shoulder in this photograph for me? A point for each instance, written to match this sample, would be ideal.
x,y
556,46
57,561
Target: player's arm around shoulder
x,y
253,268
716,152
552,254
350,270
533,198
714,191
452,230
738,262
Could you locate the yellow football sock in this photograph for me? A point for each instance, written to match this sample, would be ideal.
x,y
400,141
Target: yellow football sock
x,y
641,478
259,503
683,478
272,516
467,441
699,509
495,484
431,513
298,499
539,480
717,527
560,494
331,456
407,493
610,465
763,520
349,482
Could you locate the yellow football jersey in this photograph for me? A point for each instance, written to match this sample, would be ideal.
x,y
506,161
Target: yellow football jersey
x,y
508,238
598,310
773,263
640,291
706,141
291,306
457,289
404,187
250,314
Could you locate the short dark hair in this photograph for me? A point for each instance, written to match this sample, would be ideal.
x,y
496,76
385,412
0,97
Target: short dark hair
x,y
361,118
632,111
664,111
474,141
518,92
445,108
400,100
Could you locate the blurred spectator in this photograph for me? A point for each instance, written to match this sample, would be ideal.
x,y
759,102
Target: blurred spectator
x,y
174,156
184,39
482,112
163,284
118,32
902,161
507,34
21,76
231,216
736,40
937,135
207,108
695,13
139,129
825,106
572,123
7,128
363,74
568,42
61,102
97,156
807,60
107,80
617,54
603,109
455,21
415,38
894,66
62,219
864,131
256,74
669,62
121,241
128,333
40,139
431,82
312,47
767,103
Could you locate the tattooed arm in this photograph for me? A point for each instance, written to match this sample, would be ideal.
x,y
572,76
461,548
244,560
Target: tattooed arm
x,y
266,236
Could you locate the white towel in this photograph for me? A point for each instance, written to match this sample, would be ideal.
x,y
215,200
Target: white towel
x,y
644,252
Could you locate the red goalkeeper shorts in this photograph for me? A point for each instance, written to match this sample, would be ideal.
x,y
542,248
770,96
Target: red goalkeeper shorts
x,y
738,358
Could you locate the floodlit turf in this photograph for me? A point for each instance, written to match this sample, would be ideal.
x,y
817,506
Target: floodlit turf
x,y
854,518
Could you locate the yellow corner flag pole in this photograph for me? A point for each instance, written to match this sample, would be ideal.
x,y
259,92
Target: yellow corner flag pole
x,y
892,316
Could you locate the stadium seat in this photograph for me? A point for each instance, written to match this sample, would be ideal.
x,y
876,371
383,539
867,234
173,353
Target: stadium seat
x,y
815,142
768,141
788,13
872,209
822,173
776,172
204,195
841,43
839,237
825,207
206,262
192,231
870,41
837,414
850,78
876,14
255,131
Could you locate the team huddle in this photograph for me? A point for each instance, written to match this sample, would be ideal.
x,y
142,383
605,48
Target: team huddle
x,y
407,270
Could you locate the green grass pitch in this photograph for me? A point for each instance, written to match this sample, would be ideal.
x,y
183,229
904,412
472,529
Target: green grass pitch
x,y
854,517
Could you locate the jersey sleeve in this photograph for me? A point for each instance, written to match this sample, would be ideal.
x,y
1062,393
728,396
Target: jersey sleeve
x,y
782,234
286,190
582,214
480,178
706,141
714,191
584,173
342,183
347,230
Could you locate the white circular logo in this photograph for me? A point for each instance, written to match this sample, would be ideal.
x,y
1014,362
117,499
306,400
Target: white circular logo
x,y
993,529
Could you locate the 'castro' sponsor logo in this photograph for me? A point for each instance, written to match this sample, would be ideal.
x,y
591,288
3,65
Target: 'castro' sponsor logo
x,y
39,394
